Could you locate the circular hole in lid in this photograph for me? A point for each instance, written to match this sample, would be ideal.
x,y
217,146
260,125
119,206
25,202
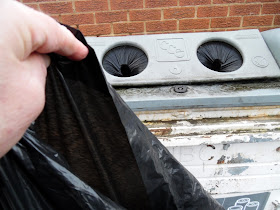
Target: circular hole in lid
x,y
125,61
219,56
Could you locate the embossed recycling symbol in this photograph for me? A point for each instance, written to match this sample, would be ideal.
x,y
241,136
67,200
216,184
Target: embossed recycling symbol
x,y
171,50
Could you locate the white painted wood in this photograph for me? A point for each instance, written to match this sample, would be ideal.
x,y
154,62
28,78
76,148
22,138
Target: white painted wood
x,y
229,156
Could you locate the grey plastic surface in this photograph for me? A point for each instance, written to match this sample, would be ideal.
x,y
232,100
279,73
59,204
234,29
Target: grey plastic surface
x,y
272,39
172,58
266,93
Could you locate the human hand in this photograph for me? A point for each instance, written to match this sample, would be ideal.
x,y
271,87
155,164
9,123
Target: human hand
x,y
25,36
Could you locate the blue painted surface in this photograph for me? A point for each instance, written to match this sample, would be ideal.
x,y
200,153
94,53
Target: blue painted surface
x,y
213,102
237,170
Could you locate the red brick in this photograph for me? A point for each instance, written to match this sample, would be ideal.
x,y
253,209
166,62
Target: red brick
x,y
77,19
33,1
95,30
126,4
91,6
240,10
250,1
186,31
56,17
257,20
232,29
261,29
209,30
271,8
74,26
168,25
109,17
201,30
142,15
122,28
165,32
277,20
227,1
33,6
194,2
217,30
212,11
227,22
194,24
179,13
57,7
160,3
142,33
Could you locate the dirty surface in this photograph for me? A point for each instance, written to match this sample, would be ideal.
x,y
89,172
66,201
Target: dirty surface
x,y
240,159
221,160
212,126
237,170
229,149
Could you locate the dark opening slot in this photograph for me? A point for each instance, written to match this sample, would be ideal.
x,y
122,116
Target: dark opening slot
x,y
217,64
125,70
125,61
219,56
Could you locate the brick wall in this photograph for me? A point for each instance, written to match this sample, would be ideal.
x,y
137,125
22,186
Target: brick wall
x,y
125,17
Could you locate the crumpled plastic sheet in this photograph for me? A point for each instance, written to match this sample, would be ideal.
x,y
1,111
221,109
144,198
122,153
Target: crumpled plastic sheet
x,y
34,176
88,150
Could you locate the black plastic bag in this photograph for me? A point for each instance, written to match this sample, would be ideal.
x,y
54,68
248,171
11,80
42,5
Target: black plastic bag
x,y
219,56
88,150
34,176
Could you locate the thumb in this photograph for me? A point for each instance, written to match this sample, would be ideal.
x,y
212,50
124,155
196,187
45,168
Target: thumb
x,y
46,59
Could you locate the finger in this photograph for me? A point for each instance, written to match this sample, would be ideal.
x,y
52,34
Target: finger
x,y
45,35
57,38
60,40
47,60
70,46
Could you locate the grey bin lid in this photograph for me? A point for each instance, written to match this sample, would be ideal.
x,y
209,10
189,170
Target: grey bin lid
x,y
178,59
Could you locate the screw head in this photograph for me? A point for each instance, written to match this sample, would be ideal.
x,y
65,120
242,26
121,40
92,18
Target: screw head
x,y
180,89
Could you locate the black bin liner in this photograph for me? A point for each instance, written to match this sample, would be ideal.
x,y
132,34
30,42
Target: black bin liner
x,y
125,61
219,56
88,150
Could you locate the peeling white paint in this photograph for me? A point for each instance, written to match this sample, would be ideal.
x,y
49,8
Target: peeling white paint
x,y
208,113
233,150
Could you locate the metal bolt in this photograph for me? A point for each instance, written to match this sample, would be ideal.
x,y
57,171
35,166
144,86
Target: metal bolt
x,y
180,89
